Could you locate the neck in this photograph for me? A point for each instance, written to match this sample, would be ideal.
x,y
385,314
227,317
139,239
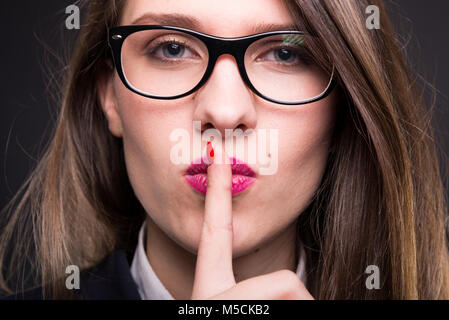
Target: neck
x,y
175,266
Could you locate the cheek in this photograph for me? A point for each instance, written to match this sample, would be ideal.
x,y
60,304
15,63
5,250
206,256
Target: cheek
x,y
147,125
304,139
307,134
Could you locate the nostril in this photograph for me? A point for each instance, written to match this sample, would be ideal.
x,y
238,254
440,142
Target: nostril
x,y
242,127
206,126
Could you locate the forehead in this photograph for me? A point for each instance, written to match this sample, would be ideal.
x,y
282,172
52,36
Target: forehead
x,y
229,18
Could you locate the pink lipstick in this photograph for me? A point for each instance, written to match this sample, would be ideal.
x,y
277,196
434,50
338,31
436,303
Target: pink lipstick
x,y
242,175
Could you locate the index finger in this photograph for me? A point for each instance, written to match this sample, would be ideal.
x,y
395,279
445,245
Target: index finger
x,y
213,272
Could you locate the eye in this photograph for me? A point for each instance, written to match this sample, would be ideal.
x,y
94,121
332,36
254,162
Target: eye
x,y
172,49
282,55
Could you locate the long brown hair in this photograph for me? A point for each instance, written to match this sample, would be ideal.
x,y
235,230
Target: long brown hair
x,y
381,201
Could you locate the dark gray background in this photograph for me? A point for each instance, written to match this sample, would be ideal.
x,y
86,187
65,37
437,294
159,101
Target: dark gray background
x,y
29,29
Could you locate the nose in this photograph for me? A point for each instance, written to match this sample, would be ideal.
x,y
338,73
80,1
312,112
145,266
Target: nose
x,y
225,102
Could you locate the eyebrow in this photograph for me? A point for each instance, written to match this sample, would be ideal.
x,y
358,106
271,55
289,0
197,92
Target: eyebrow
x,y
190,22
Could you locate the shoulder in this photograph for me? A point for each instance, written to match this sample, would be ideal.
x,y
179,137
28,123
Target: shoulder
x,y
111,279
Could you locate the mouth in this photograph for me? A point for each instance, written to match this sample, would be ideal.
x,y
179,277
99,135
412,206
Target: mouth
x,y
242,176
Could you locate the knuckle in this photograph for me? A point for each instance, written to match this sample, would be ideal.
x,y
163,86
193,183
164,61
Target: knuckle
x,y
290,284
213,228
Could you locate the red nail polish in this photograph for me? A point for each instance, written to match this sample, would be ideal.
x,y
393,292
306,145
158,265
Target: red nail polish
x,y
210,149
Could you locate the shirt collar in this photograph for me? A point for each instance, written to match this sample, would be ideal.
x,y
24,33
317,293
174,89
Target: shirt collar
x,y
151,288
148,284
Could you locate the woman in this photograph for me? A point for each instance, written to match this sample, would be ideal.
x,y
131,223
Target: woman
x,y
355,185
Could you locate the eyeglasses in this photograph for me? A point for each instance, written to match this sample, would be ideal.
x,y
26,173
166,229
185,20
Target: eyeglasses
x,y
166,62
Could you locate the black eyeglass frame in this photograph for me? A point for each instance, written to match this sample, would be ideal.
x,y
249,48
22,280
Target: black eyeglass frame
x,y
216,46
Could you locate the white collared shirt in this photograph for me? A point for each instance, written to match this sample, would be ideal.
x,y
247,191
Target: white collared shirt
x,y
149,285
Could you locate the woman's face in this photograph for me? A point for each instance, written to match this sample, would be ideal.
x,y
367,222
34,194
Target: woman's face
x,y
274,201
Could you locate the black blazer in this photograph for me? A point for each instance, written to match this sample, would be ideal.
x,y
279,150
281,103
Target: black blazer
x,y
111,280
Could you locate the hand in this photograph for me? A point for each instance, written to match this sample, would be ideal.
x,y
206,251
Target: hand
x,y
214,277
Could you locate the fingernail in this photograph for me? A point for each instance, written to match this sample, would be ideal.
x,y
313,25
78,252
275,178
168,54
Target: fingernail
x,y
210,151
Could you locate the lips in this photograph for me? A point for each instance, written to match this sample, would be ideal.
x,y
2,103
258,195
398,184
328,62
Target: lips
x,y
242,176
